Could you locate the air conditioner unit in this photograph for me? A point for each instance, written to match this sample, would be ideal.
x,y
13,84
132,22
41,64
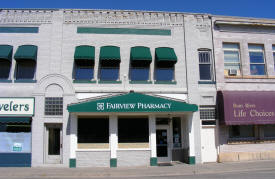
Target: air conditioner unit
x,y
232,72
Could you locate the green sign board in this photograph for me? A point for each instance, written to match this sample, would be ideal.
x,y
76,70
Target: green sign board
x,y
132,102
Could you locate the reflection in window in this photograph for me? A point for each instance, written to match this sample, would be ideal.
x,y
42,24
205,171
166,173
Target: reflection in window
x,y
176,132
25,69
240,131
5,69
257,61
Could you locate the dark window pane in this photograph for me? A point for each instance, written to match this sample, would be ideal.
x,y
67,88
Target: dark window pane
x,y
109,73
164,74
94,130
256,57
84,73
133,130
246,131
25,70
4,69
205,72
257,69
139,74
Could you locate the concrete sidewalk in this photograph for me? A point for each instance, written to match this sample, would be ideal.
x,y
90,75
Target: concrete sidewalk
x,y
175,170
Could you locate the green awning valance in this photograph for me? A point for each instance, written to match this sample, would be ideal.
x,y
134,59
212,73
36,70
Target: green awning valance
x,y
141,53
15,119
133,102
24,52
84,52
109,53
6,52
165,54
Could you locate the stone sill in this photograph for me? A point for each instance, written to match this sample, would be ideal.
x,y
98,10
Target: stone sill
x,y
237,142
250,77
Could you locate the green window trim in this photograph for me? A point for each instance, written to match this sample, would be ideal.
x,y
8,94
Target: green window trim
x,y
164,54
26,52
84,52
109,82
140,53
84,81
109,53
6,52
140,82
166,82
19,29
15,120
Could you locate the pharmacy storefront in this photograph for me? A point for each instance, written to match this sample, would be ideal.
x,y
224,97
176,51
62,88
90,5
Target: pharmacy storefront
x,y
129,129
15,131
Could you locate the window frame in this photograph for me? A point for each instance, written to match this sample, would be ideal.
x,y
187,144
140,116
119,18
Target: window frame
x,y
18,67
232,50
264,58
163,68
45,106
209,52
76,66
109,65
10,66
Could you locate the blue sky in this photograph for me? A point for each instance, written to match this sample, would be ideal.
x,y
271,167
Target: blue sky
x,y
245,8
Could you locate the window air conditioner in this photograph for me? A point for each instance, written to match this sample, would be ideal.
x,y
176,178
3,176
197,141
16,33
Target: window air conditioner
x,y
232,72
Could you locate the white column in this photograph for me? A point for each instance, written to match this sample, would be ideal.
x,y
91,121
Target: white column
x,y
73,139
113,136
191,132
152,132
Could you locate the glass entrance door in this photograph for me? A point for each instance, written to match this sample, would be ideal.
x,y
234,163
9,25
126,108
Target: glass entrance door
x,y
163,147
53,144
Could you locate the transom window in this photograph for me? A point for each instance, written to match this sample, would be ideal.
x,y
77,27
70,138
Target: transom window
x,y
205,65
257,60
207,112
54,106
232,65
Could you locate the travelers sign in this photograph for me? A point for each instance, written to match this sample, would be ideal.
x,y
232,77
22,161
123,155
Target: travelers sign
x,y
16,106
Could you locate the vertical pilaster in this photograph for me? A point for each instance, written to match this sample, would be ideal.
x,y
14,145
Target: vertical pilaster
x,y
191,131
113,140
153,142
73,140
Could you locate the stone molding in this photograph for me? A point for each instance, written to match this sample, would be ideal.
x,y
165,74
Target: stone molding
x,y
203,23
122,17
25,16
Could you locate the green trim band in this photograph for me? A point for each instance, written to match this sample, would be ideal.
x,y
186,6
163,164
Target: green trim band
x,y
140,82
5,81
84,81
96,30
72,163
25,81
166,82
109,82
153,161
113,162
19,29
192,160
207,82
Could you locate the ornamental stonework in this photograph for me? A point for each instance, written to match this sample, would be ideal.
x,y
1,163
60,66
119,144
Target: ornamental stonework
x,y
25,16
122,17
203,23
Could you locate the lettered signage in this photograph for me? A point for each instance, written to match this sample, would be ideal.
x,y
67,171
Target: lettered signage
x,y
16,106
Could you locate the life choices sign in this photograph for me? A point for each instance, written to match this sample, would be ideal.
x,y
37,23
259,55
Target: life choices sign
x,y
16,106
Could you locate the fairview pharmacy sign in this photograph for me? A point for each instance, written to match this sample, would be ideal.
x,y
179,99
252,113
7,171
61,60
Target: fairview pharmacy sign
x,y
132,102
16,106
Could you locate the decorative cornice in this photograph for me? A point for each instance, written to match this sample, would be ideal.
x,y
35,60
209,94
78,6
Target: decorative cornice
x,y
25,16
203,23
122,17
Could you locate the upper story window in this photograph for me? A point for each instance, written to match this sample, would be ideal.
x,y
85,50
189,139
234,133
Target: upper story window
x,y
109,63
54,106
257,59
165,64
273,52
205,64
232,65
140,61
25,57
84,62
5,61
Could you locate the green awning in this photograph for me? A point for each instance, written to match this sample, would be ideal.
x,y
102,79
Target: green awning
x,y
28,52
15,119
141,53
133,102
6,52
109,53
165,54
84,52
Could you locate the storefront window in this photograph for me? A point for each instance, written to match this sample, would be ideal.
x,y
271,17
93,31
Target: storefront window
x,y
133,130
246,132
176,132
269,131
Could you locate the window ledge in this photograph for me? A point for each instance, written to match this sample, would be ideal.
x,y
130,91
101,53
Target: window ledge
x,y
166,82
250,77
240,141
207,82
109,82
5,81
140,82
84,81
25,81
